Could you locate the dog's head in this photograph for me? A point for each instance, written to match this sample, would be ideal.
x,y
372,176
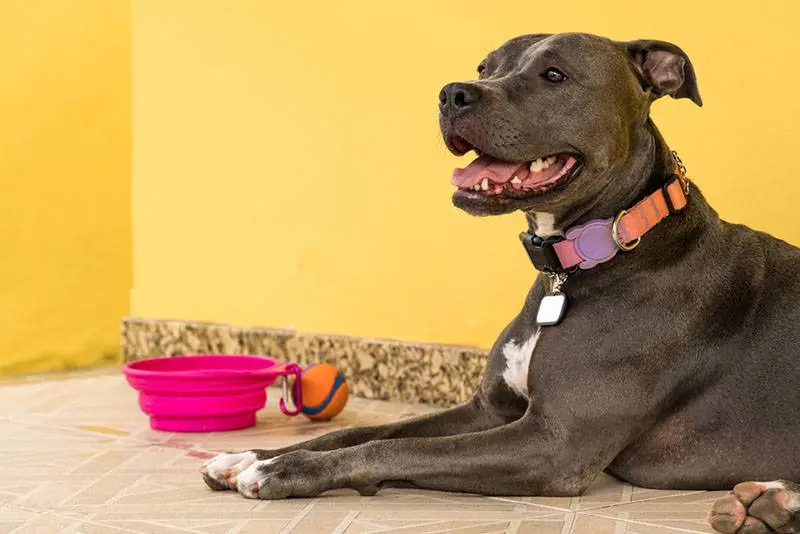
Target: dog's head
x,y
551,116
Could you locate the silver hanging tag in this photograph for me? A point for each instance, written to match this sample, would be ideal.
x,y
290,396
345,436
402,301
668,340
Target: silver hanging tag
x,y
553,305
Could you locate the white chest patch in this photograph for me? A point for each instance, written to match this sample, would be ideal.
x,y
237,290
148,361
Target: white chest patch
x,y
545,224
518,361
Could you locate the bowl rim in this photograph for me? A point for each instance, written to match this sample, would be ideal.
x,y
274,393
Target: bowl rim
x,y
273,369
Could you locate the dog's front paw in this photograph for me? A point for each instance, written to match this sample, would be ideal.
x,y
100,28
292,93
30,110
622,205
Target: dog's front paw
x,y
222,471
294,474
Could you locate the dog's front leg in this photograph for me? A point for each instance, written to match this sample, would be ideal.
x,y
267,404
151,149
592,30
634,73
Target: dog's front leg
x,y
514,459
222,472
472,416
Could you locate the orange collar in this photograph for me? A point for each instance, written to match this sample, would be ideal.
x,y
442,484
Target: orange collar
x,y
599,240
630,225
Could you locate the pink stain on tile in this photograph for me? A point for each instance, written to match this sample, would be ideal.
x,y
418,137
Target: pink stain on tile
x,y
202,455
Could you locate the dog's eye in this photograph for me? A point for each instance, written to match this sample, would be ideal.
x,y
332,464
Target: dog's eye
x,y
481,68
554,75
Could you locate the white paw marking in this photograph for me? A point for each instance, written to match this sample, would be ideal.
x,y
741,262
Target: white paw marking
x,y
251,479
771,485
794,502
227,466
518,361
794,498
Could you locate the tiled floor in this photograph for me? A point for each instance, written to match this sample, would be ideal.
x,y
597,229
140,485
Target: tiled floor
x,y
77,456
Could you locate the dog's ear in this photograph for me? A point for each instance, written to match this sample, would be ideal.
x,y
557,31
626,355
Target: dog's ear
x,y
664,69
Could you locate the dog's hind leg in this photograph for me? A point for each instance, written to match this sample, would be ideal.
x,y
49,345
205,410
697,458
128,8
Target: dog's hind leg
x,y
758,508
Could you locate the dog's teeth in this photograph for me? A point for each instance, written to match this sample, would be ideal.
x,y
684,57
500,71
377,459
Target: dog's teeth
x,y
551,160
485,184
476,187
516,181
540,164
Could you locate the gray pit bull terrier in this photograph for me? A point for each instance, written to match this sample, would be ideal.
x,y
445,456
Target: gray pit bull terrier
x,y
676,364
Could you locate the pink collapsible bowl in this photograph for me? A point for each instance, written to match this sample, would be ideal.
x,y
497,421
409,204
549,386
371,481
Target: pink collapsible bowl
x,y
203,393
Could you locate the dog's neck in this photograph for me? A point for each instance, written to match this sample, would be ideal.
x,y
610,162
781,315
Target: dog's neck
x,y
646,169
643,173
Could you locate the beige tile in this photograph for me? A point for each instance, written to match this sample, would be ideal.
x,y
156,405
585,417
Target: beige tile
x,y
101,490
78,454
641,494
422,527
184,525
465,528
47,493
553,504
697,502
538,526
691,520
584,524
12,517
49,522
416,504
605,490
445,513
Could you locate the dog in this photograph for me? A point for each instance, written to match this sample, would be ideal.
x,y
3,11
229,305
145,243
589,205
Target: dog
x,y
659,344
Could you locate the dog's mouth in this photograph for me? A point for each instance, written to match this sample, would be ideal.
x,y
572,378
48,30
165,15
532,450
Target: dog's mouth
x,y
488,176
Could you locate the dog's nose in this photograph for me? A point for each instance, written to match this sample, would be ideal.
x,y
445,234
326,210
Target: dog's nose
x,y
455,98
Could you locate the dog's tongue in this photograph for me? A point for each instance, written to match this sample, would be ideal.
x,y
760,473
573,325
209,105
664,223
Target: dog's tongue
x,y
495,170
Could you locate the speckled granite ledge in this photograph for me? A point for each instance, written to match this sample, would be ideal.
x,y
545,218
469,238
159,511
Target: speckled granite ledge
x,y
375,369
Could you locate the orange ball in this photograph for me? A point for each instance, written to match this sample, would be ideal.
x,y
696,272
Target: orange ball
x,y
324,392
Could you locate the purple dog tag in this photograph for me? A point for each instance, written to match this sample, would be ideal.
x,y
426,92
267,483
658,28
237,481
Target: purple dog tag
x,y
593,242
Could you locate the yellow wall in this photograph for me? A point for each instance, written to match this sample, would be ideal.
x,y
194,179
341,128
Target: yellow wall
x,y
288,169
65,261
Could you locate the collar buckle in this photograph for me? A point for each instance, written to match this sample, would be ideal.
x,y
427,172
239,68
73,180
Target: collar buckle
x,y
618,238
541,252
